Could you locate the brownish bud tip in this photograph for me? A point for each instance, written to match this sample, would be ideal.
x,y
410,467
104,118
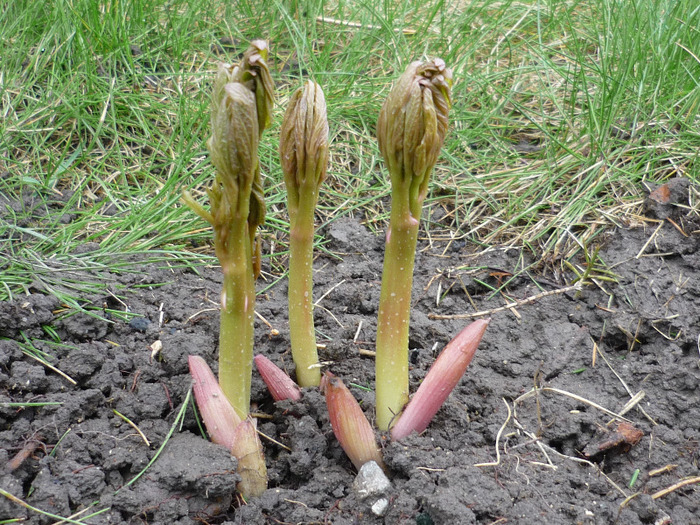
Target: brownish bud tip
x,y
233,146
413,123
255,75
304,138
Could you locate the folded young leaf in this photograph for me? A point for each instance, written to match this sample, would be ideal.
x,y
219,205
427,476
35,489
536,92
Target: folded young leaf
x,y
247,448
350,426
218,414
278,383
441,379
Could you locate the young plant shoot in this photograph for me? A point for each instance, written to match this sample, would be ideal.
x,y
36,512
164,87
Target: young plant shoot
x,y
304,159
441,379
349,423
240,111
411,130
278,383
226,428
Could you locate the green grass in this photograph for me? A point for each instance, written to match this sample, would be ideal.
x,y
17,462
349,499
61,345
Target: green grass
x,y
563,112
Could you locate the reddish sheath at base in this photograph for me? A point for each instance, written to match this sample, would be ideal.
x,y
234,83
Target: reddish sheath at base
x,y
278,383
441,379
349,423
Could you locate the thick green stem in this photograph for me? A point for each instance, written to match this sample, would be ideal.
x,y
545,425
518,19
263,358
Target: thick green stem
x,y
301,315
237,317
394,312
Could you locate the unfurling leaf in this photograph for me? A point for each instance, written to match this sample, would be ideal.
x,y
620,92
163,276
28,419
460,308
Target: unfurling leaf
x,y
304,139
413,124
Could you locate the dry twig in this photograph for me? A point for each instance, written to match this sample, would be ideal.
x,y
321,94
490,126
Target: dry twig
x,y
509,306
675,486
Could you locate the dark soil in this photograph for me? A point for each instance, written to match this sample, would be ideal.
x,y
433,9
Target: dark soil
x,y
560,459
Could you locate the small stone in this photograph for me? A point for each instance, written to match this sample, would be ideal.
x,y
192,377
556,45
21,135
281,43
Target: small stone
x,y
371,481
380,506
140,324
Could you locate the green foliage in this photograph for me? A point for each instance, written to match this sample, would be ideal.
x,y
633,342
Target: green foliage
x,y
562,111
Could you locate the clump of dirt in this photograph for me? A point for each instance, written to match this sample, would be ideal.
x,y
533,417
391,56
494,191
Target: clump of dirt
x,y
513,443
